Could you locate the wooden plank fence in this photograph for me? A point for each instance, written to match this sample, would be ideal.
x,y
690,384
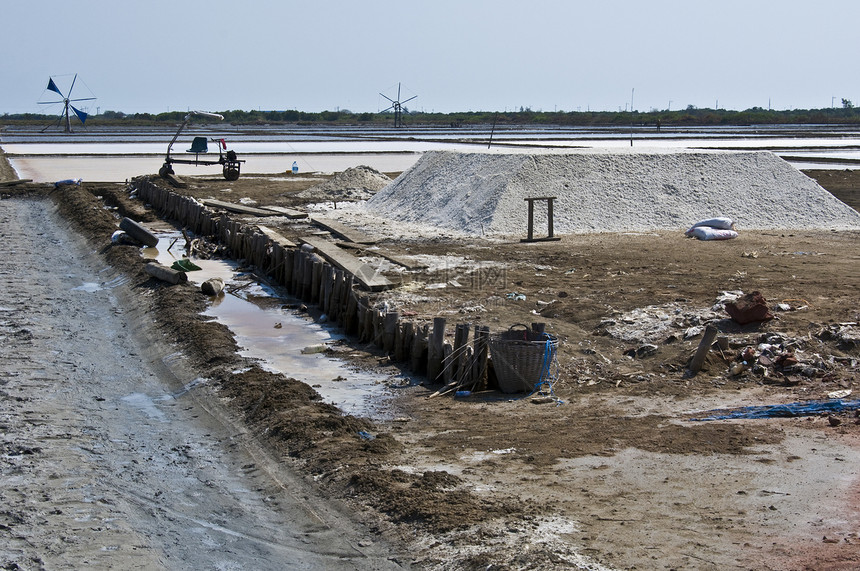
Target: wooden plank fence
x,y
337,291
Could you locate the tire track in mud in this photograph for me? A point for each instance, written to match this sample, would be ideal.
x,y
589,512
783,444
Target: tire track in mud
x,y
111,455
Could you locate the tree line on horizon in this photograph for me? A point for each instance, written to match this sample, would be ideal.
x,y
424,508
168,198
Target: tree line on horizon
x,y
691,116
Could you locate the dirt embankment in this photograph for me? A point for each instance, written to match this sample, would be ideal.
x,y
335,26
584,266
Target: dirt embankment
x,y
617,475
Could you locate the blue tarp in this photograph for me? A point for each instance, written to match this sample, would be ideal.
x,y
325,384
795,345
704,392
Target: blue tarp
x,y
808,408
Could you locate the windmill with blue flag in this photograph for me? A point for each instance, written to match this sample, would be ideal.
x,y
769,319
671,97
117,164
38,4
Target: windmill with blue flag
x,y
67,104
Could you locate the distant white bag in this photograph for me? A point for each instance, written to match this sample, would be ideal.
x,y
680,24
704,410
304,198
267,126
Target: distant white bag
x,y
708,233
724,223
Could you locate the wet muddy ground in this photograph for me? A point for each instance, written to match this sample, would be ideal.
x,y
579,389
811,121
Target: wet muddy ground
x,y
618,476
115,453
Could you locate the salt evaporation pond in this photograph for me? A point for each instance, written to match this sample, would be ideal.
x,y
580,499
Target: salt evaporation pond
x,y
116,155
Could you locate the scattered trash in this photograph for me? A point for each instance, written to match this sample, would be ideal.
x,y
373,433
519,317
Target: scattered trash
x,y
311,349
364,435
847,335
166,274
472,309
138,232
212,286
462,394
839,394
809,408
749,308
123,239
516,296
185,265
68,181
642,351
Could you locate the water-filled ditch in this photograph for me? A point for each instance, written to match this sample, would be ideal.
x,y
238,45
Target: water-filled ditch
x,y
268,328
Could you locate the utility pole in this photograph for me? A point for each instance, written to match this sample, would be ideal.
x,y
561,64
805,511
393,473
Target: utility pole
x,y
632,89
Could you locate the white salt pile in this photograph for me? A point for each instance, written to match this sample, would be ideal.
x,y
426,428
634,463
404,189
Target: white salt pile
x,y
356,183
608,191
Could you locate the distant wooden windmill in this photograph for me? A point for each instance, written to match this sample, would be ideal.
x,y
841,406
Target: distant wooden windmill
x,y
397,106
67,104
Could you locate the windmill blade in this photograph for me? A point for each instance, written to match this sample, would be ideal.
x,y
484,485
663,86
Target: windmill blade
x,y
398,91
81,115
93,98
53,87
410,99
387,97
387,109
73,85
50,102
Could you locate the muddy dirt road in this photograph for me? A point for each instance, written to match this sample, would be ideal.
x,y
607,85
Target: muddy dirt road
x,y
113,454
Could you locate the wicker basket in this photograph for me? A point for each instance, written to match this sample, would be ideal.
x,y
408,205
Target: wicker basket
x,y
520,357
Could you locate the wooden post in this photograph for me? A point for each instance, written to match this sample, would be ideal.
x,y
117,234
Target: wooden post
x,y
363,318
389,331
289,255
531,213
702,351
337,286
307,277
350,322
378,328
418,355
316,277
347,313
342,300
531,222
434,349
403,342
326,285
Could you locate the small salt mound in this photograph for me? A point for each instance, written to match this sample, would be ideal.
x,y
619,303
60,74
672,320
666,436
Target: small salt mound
x,y
609,191
356,183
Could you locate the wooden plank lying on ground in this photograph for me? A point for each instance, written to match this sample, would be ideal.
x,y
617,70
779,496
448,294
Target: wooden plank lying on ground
x,y
412,266
288,212
344,231
368,277
237,208
175,180
277,238
15,182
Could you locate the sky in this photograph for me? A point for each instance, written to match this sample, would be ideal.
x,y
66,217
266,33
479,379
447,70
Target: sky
x,y
155,56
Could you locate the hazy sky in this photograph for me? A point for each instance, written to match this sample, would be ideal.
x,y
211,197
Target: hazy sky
x,y
455,55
